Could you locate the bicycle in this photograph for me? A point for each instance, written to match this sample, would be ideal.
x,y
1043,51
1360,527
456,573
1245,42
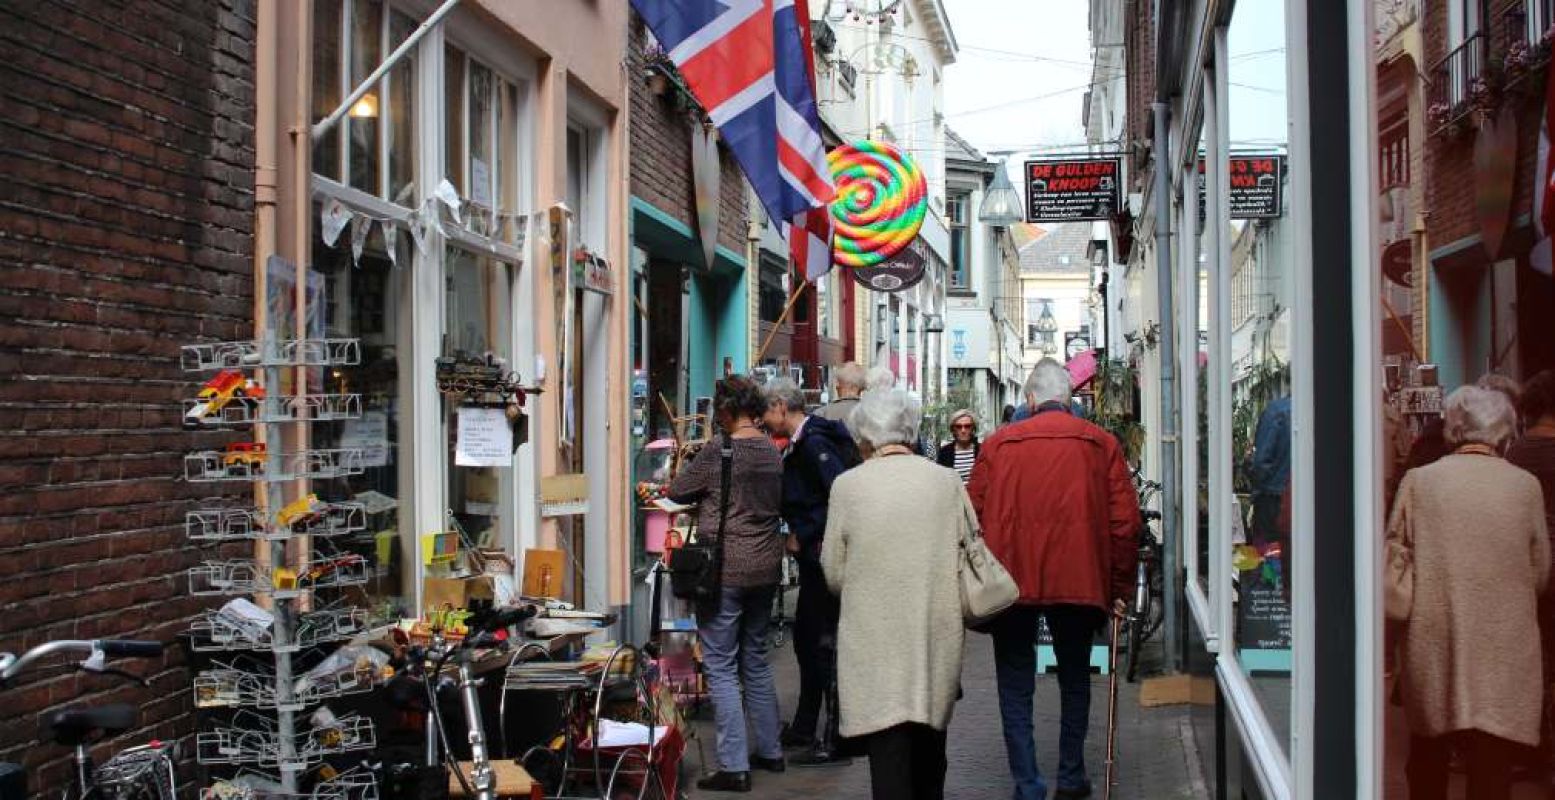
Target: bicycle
x,y
1146,612
137,773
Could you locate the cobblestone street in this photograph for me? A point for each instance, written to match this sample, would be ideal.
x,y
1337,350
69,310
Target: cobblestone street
x,y
1155,748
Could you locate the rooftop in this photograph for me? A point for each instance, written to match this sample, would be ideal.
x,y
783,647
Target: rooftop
x,y
1060,251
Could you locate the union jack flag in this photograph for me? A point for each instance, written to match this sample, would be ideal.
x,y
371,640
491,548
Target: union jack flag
x,y
748,63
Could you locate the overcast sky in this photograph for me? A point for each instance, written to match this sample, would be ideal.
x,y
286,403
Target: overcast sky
x,y
1024,66
1022,71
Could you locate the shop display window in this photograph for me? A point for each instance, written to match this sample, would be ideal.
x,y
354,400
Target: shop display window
x,y
478,321
363,302
1254,300
374,147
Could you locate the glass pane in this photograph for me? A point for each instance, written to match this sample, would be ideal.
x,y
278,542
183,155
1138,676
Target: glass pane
x,y
453,121
402,117
478,322
577,169
482,127
326,83
1260,277
1200,374
361,301
507,155
366,54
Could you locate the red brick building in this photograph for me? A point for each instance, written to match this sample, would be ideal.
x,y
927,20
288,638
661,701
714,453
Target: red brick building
x,y
126,231
1481,297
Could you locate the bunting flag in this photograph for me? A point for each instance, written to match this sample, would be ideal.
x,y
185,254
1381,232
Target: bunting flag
x,y
747,65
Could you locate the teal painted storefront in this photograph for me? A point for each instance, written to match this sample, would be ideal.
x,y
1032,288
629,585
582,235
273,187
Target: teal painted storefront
x,y
1460,312
717,323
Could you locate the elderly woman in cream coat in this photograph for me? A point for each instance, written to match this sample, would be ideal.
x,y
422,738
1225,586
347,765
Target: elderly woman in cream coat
x,y
892,535
1467,559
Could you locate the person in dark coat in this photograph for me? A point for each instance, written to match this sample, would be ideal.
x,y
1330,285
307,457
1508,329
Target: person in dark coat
x,y
961,451
818,451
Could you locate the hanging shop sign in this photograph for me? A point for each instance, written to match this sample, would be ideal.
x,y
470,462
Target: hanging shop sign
x,y
1074,189
707,177
1257,186
591,271
901,271
1495,173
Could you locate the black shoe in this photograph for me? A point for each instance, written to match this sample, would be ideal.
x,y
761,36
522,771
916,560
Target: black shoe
x,y
822,758
726,782
793,740
1072,794
768,764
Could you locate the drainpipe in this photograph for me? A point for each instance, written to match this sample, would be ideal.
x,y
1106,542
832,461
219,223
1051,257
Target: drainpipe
x,y
1170,521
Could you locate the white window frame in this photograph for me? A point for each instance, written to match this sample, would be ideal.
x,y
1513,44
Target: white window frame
x,y
424,496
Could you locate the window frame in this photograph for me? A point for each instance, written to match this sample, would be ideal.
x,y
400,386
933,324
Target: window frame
x,y
423,422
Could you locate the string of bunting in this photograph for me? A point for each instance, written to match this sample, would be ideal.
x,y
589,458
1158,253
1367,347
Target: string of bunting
x,y
336,216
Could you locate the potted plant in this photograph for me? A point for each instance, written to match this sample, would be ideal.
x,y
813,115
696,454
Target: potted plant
x,y
657,69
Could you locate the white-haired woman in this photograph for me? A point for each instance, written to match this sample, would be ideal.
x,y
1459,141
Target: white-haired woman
x,y
1467,560
895,521
960,453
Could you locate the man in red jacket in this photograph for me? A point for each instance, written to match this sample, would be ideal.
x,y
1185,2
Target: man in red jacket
x,y
1059,511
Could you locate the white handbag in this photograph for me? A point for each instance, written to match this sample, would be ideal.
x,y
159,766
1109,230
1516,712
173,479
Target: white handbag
x,y
987,588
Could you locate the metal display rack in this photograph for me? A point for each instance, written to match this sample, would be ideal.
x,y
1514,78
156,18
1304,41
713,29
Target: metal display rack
x,y
246,389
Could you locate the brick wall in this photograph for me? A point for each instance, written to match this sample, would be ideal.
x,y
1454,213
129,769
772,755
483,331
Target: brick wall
x,y
661,154
1449,161
126,152
1140,75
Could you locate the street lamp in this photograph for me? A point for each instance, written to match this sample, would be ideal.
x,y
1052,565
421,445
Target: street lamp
x,y
1047,326
1001,203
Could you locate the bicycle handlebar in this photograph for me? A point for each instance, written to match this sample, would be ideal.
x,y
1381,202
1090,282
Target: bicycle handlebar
x,y
95,649
130,648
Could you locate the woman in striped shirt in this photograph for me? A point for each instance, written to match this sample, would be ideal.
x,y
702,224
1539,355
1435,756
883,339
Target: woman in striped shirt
x,y
961,451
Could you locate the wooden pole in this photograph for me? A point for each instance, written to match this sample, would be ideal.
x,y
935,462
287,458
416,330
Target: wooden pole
x,y
794,298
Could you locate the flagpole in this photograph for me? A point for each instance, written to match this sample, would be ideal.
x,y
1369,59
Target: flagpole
x,y
794,298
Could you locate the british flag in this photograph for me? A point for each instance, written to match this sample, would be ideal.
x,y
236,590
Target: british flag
x,y
748,63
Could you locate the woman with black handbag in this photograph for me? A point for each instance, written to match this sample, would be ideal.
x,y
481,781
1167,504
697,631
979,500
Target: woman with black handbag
x,y
732,573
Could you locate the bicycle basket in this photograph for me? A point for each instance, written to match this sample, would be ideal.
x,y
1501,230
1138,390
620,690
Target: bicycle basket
x,y
140,773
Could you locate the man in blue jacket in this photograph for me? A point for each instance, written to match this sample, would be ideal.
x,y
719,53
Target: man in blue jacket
x,y
818,451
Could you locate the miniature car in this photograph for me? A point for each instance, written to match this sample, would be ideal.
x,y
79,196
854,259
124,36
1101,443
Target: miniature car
x,y
244,458
216,393
302,513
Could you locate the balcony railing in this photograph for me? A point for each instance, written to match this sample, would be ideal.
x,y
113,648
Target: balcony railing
x,y
1453,78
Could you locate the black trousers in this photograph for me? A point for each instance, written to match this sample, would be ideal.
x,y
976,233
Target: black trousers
x,y
815,646
1489,760
907,762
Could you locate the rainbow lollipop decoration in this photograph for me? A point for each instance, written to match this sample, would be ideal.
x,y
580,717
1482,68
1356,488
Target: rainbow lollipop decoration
x,y
881,200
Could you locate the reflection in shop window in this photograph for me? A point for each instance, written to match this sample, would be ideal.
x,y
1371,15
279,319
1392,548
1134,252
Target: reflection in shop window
x,y
383,120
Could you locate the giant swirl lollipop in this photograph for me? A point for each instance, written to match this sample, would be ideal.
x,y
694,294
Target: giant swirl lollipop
x,y
881,200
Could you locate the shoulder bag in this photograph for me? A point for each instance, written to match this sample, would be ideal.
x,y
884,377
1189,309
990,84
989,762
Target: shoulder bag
x,y
987,588
696,570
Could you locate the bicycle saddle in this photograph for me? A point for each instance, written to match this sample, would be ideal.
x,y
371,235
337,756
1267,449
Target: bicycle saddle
x,y
73,726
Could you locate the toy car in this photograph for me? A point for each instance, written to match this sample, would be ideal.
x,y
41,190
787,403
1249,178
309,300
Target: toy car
x,y
244,458
227,385
302,513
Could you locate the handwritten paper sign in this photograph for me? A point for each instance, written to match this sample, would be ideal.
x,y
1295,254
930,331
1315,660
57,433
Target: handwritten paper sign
x,y
485,438
370,434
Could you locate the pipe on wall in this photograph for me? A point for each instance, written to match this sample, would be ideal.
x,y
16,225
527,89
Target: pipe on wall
x,y
1170,518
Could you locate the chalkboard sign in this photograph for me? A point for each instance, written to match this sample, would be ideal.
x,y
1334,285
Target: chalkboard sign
x,y
1262,615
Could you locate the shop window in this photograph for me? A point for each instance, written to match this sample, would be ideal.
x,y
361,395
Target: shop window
x,y
362,301
478,321
1251,356
772,287
960,242
373,149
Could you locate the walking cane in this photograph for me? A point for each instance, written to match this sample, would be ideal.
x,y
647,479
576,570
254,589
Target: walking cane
x,y
1112,704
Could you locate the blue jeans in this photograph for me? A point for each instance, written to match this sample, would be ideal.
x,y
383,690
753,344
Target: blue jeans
x,y
1015,662
734,647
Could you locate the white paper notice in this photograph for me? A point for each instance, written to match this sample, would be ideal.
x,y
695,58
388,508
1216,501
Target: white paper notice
x,y
485,438
480,183
370,434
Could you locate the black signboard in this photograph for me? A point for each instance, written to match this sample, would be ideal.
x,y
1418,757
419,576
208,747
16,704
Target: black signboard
x,y
1257,186
898,272
1074,189
1263,623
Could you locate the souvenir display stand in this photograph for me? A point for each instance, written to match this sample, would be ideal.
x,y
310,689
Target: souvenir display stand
x,y
268,721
